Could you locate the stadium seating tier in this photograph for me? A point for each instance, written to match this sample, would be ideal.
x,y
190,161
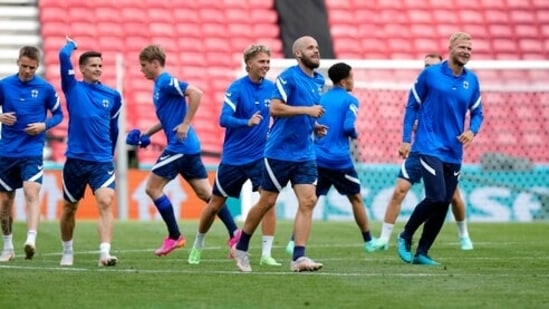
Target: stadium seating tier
x,y
204,40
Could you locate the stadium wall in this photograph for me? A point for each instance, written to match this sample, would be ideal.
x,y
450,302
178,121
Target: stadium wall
x,y
493,196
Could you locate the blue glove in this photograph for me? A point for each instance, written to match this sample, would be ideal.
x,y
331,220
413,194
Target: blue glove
x,y
133,137
144,141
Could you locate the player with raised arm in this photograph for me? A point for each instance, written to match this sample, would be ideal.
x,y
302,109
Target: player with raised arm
x,y
93,110
176,103
440,99
409,174
245,117
25,100
289,152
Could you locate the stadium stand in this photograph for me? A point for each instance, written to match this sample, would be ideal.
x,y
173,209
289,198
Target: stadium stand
x,y
408,29
204,40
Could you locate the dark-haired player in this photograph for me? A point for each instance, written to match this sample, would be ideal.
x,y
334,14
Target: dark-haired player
x,y
93,110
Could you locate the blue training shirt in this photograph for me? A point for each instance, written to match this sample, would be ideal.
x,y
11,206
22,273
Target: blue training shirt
x,y
244,144
93,111
291,138
30,101
341,108
171,108
440,102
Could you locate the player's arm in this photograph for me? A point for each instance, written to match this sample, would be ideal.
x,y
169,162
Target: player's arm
x,y
415,99
153,130
476,115
1,93
194,95
6,118
227,118
67,71
115,113
350,119
54,105
278,106
176,87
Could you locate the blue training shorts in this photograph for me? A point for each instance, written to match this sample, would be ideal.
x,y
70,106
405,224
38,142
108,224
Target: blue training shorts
x,y
189,166
278,173
79,173
14,171
345,181
410,169
230,178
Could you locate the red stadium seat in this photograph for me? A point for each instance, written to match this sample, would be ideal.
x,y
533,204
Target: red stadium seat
x,y
420,17
522,16
204,40
261,4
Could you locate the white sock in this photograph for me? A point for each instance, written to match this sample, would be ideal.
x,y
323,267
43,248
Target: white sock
x,y
67,246
199,240
386,231
31,237
267,245
8,242
462,229
104,249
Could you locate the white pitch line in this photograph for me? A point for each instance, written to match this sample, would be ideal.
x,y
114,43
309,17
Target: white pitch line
x,y
221,272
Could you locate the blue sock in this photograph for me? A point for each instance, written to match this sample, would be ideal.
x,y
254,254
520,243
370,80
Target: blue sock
x,y
165,209
366,236
244,242
225,215
299,251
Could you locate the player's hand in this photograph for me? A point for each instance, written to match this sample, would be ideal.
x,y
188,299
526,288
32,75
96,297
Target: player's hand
x,y
316,111
35,128
69,40
181,131
255,119
8,119
144,141
133,137
466,138
320,130
404,150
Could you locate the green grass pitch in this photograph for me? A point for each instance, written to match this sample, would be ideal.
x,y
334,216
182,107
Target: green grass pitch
x,y
509,268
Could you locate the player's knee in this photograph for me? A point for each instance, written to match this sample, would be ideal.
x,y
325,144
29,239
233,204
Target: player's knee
x,y
399,194
203,195
152,191
104,202
308,202
69,209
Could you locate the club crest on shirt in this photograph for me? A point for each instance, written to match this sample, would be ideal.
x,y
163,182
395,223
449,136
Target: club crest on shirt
x,y
34,93
105,103
465,84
